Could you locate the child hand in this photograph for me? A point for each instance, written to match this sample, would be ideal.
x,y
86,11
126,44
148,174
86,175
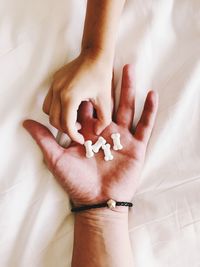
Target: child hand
x,y
87,78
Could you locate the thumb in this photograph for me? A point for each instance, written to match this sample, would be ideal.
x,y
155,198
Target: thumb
x,y
45,140
103,109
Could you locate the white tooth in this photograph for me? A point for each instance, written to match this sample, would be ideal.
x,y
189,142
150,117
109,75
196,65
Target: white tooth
x,y
101,141
116,141
88,148
107,153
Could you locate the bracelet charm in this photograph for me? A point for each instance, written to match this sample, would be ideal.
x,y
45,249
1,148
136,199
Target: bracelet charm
x,y
111,204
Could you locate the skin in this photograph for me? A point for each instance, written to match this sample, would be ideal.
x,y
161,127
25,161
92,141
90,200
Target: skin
x,y
101,235
89,76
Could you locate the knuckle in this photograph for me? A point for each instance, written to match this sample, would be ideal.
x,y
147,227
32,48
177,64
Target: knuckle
x,y
58,85
56,88
64,102
68,99
64,97
123,120
56,74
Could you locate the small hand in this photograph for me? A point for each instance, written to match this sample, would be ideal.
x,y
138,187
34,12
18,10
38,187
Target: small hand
x,y
94,180
88,77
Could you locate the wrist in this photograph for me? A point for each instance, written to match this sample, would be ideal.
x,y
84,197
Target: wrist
x,y
100,237
97,53
103,216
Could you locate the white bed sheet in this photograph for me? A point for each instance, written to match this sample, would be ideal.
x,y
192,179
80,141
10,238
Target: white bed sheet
x,y
162,39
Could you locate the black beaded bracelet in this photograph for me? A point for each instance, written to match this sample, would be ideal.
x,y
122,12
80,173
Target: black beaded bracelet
x,y
111,204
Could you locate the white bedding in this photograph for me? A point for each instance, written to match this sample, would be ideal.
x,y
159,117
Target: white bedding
x,y
162,39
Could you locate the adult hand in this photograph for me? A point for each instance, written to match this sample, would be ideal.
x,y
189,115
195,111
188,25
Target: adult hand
x,y
88,77
89,181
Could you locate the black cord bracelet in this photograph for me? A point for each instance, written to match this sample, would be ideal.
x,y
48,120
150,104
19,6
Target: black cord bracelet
x,y
111,204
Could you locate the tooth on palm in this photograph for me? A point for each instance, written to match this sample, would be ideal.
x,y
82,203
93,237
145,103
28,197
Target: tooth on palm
x,y
116,141
107,152
88,148
101,141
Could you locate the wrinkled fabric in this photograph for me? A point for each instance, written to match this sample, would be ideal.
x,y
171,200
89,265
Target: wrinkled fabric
x,y
162,40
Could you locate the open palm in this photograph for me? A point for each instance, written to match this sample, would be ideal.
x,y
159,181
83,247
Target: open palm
x,y
89,181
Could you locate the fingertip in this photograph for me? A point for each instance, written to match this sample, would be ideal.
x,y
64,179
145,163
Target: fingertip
x,y
152,101
97,129
85,111
81,139
100,126
128,68
77,137
153,95
26,123
128,78
72,132
78,126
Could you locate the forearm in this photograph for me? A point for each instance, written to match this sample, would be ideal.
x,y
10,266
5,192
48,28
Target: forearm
x,y
101,24
101,239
